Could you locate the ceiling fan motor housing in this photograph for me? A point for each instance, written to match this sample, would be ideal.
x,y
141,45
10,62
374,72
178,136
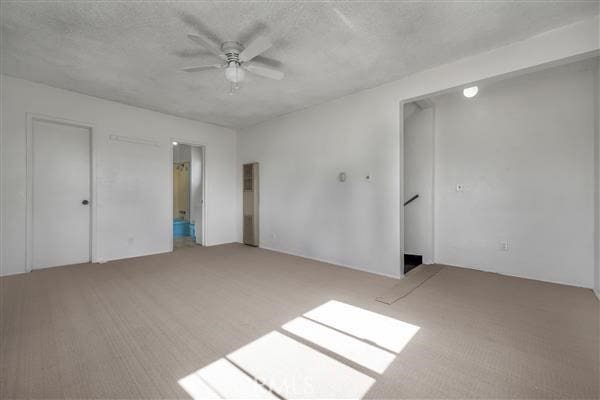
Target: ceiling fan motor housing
x,y
232,52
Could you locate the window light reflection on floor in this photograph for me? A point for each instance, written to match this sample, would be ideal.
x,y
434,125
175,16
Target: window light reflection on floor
x,y
294,370
358,351
223,380
277,365
386,332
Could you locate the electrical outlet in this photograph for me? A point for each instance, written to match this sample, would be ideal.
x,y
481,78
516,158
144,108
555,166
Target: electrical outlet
x,y
504,246
459,187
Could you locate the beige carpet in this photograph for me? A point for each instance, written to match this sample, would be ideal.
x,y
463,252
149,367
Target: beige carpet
x,y
239,322
412,280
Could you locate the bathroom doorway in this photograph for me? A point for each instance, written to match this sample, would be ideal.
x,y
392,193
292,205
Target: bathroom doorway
x,y
188,195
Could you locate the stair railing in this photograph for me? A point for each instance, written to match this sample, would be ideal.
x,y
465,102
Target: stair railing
x,y
411,200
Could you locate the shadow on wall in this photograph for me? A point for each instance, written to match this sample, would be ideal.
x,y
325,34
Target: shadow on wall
x,y
278,365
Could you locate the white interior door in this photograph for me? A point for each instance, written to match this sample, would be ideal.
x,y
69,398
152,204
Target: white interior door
x,y
196,193
61,216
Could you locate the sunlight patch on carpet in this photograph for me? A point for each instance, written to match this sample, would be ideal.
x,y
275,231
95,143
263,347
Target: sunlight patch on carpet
x,y
386,332
277,365
355,350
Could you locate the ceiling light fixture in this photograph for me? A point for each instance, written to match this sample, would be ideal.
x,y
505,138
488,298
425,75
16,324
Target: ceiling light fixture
x,y
470,91
234,73
236,59
175,143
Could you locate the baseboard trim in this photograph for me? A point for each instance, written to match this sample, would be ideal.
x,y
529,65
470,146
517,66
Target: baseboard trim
x,y
334,263
107,260
102,260
12,273
533,278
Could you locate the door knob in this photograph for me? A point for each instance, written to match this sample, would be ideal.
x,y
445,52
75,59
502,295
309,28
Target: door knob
x,y
85,202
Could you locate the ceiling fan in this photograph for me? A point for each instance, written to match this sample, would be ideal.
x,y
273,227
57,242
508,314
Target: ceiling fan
x,y
236,59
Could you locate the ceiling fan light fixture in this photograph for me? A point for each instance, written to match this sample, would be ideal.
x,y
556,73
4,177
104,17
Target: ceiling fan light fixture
x,y
234,73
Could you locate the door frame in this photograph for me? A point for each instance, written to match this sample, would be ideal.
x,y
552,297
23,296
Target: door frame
x,y
432,183
203,185
30,119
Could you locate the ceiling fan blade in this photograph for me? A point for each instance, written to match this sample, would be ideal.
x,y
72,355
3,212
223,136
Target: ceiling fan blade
x,y
264,71
258,46
209,45
203,68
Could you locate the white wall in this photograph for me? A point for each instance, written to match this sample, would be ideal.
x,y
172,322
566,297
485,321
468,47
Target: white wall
x,y
597,202
305,210
523,149
196,190
134,199
418,179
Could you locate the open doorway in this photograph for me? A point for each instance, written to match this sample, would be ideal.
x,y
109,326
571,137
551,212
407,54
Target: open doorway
x,y
418,183
188,195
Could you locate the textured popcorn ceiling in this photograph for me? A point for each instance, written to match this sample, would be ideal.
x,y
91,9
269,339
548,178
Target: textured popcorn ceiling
x,y
133,52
